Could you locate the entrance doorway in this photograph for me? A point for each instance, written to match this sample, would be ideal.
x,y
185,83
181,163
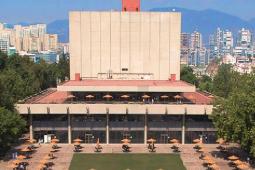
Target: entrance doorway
x,y
164,138
89,138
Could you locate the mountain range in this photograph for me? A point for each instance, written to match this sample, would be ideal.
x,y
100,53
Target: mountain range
x,y
204,21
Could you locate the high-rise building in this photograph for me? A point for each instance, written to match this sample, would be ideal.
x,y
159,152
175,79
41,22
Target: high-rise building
x,y
244,38
4,45
196,40
185,47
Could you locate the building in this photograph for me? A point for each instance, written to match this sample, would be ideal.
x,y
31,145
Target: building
x,y
196,40
244,38
125,83
185,47
4,45
32,38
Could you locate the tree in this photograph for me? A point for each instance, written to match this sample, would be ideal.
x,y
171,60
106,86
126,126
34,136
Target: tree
x,y
188,75
234,115
225,80
205,83
11,128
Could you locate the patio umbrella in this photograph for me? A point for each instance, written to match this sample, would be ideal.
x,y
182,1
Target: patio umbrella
x,y
178,97
146,96
196,141
77,140
126,140
164,97
207,158
55,140
125,96
89,96
202,150
47,157
174,141
25,150
70,96
107,96
211,96
16,161
43,161
220,141
238,162
151,140
242,166
21,157
125,143
210,162
214,167
233,157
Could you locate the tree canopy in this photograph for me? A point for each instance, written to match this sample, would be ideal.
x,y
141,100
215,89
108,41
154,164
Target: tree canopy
x,y
20,77
234,108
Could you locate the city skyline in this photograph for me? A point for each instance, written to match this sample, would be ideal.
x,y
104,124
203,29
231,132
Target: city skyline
x,y
47,11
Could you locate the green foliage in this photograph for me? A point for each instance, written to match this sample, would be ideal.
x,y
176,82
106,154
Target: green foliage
x,y
20,77
234,112
205,83
11,127
188,75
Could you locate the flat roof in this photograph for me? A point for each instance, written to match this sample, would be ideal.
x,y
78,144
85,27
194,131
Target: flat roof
x,y
52,96
126,86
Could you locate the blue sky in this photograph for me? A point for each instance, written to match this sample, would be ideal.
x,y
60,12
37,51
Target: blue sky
x,y
14,11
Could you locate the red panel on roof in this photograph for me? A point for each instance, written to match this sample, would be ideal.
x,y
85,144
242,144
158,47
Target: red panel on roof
x,y
130,5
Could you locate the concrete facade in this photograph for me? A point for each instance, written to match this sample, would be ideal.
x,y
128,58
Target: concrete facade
x,y
124,45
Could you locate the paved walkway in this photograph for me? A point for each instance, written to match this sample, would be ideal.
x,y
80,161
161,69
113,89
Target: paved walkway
x,y
64,156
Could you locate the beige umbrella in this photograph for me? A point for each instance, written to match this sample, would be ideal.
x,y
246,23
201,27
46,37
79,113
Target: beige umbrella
x,y
211,96
178,97
107,96
55,140
89,96
125,96
16,161
207,158
70,96
220,141
214,167
210,162
164,97
174,141
146,96
126,140
77,140
196,141
242,166
25,150
233,157
202,150
151,140
238,162
21,157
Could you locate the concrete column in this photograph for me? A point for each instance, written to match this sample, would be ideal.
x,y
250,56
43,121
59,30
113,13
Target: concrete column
x,y
69,127
145,127
183,128
107,128
31,133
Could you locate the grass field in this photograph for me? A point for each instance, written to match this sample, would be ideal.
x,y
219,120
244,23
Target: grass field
x,y
126,162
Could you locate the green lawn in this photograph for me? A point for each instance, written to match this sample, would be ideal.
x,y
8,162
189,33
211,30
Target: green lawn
x,y
126,162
